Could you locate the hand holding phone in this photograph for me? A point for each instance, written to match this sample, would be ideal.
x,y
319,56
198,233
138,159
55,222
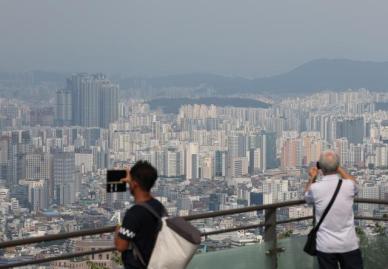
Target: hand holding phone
x,y
116,181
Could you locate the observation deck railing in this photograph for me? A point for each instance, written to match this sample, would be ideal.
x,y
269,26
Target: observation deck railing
x,y
269,225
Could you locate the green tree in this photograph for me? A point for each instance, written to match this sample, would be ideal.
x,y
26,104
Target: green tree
x,y
116,258
375,252
379,229
286,234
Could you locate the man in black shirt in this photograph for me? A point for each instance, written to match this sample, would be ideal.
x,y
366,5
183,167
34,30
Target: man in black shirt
x,y
139,226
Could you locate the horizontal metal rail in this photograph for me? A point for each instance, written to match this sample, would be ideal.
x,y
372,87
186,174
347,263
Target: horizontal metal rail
x,y
370,218
80,254
57,258
243,210
53,237
111,229
253,226
370,201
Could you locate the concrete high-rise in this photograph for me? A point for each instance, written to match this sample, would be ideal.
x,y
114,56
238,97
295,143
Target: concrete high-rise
x,y
37,193
172,163
312,147
109,103
94,100
19,145
38,165
291,153
352,129
220,163
4,157
64,177
192,161
237,147
341,147
270,151
63,108
239,167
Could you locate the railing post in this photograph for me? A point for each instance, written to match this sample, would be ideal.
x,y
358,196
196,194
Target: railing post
x,y
270,236
314,216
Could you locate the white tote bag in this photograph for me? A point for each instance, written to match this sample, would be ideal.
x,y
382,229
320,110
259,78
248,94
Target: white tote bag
x,y
176,243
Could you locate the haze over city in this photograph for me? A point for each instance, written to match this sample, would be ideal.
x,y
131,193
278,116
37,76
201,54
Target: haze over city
x,y
229,107
150,38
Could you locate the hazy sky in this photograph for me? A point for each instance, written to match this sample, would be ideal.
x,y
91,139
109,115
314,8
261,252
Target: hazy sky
x,y
232,37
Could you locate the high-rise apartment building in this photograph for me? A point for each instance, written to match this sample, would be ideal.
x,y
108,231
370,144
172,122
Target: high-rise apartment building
x,y
381,156
207,168
4,157
237,147
94,100
37,193
63,108
239,167
64,177
312,147
357,155
341,147
255,163
172,163
291,153
220,163
192,161
269,152
38,165
352,129
109,103
19,145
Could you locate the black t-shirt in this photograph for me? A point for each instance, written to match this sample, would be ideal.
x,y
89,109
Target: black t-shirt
x,y
140,227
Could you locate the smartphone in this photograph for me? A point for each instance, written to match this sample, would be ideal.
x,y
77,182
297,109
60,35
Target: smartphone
x,y
318,165
113,183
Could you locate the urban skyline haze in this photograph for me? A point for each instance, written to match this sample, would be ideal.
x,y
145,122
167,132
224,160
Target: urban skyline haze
x,y
152,38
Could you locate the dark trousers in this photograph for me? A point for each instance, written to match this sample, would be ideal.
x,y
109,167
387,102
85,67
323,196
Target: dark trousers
x,y
347,260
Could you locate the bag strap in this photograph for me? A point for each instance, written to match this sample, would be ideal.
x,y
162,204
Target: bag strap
x,y
137,254
151,210
329,205
136,251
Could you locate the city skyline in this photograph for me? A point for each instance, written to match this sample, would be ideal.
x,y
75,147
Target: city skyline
x,y
235,105
224,153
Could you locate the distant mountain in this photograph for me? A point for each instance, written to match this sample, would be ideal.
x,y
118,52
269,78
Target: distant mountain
x,y
337,74
322,74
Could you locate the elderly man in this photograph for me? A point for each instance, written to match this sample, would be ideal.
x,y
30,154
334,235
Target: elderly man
x,y
337,243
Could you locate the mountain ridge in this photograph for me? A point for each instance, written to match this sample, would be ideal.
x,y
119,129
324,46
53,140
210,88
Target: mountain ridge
x,y
310,77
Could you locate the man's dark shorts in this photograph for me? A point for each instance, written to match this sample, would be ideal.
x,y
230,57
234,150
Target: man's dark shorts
x,y
347,260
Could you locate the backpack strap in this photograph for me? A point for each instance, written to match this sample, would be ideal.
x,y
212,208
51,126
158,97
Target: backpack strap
x,y
136,251
137,254
151,210
329,205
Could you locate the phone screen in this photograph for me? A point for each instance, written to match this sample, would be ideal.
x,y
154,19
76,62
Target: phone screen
x,y
113,183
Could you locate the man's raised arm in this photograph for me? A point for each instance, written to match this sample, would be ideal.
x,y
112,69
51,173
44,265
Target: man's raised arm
x,y
345,175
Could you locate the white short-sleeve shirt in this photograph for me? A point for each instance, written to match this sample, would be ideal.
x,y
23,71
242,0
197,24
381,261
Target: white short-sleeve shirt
x,y
337,233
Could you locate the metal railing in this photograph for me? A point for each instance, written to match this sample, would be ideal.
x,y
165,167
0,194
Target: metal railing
x,y
269,224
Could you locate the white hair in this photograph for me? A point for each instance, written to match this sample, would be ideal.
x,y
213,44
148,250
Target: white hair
x,y
329,162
